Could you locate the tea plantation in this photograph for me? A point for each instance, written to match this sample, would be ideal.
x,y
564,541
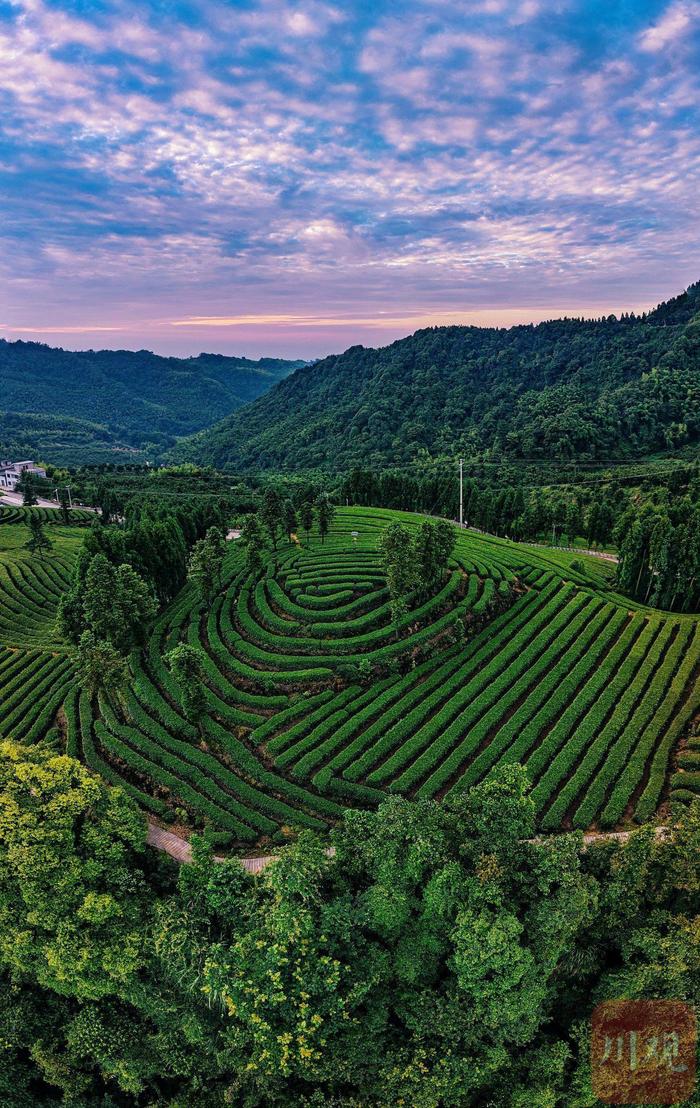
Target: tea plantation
x,y
317,702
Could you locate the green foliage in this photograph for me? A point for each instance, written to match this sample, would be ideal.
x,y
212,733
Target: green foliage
x,y
109,405
311,698
307,517
562,390
186,665
69,877
415,562
117,604
38,541
206,559
439,955
252,542
99,664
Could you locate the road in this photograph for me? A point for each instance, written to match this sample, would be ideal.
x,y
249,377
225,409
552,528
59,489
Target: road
x,y
179,848
14,500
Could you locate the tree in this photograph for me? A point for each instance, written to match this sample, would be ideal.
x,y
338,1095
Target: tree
x,y
117,605
290,519
326,512
64,505
100,666
186,665
252,542
28,490
38,541
307,518
399,562
73,900
573,521
433,545
206,560
272,514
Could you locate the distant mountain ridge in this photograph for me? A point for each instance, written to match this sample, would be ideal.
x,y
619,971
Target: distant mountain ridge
x,y
137,402
570,388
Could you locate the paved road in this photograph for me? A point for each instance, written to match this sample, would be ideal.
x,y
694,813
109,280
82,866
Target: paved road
x,y
14,500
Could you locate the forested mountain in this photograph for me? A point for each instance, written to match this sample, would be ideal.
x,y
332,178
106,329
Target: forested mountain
x,y
572,388
135,401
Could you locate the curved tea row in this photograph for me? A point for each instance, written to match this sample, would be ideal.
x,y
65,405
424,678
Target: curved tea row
x,y
315,701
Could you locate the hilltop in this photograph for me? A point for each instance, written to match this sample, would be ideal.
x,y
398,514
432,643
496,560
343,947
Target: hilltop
x,y
566,389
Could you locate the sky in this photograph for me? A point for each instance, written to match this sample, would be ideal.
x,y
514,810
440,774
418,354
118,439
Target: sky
x,y
290,179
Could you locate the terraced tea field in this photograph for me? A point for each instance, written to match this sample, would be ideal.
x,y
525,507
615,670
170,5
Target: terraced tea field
x,y
316,702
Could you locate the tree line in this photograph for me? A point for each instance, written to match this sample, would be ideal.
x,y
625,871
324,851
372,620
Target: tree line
x,y
439,957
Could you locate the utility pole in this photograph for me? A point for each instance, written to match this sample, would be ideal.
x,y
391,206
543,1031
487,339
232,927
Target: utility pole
x,y
461,493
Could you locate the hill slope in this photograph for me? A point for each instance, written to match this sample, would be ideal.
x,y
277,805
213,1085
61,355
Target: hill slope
x,y
316,701
567,388
134,400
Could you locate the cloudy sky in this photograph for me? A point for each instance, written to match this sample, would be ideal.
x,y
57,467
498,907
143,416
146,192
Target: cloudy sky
x,y
292,178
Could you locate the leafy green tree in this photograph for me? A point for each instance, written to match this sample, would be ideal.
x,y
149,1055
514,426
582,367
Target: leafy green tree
x,y
326,512
272,514
186,665
100,666
64,505
253,543
117,604
307,518
573,521
38,541
206,561
28,490
290,519
74,905
399,563
433,545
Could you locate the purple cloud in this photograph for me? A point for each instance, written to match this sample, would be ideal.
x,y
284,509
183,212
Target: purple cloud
x,y
294,177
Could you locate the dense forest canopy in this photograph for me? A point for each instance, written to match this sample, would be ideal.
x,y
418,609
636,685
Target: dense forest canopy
x,y
571,388
441,957
73,407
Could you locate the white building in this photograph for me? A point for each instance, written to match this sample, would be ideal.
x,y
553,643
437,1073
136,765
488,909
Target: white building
x,y
11,473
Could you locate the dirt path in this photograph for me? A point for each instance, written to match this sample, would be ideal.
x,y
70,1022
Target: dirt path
x,y
179,848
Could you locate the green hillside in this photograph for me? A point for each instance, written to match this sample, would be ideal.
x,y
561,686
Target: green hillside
x,y
72,407
565,390
316,701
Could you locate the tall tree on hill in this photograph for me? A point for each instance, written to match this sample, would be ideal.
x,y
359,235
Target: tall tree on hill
x,y
206,560
433,544
290,519
272,514
107,501
186,665
573,521
252,542
326,513
100,665
28,490
113,602
307,518
38,541
64,505
399,562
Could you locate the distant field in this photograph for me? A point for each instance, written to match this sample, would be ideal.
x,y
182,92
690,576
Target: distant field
x,y
590,692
